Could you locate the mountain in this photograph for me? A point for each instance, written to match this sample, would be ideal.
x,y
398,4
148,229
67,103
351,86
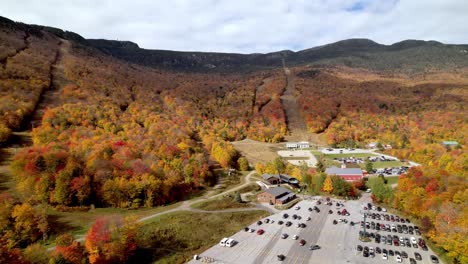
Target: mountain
x,y
408,55
405,56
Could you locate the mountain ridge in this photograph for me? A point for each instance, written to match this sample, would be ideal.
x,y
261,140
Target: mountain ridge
x,y
407,55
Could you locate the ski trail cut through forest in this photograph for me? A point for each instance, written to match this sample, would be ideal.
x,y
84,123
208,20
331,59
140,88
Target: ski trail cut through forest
x,y
50,97
296,126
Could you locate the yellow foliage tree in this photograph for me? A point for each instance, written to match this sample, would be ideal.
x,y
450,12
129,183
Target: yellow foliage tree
x,y
328,185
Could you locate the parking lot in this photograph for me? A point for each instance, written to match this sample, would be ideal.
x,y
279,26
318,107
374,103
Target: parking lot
x,y
337,243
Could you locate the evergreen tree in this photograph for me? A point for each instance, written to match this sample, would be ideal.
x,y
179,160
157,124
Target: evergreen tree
x,y
238,197
320,165
369,166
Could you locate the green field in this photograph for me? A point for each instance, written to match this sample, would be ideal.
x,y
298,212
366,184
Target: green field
x,y
355,155
176,237
226,202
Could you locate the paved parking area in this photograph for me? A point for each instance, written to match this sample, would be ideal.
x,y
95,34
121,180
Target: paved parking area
x,y
338,242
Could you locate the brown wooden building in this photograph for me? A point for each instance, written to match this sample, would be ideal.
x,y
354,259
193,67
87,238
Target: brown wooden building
x,y
277,195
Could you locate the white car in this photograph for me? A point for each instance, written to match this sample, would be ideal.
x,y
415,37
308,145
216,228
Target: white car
x,y
413,241
297,207
398,259
251,230
371,250
384,256
384,210
295,237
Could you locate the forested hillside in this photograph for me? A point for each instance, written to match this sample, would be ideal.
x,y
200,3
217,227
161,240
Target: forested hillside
x,y
130,128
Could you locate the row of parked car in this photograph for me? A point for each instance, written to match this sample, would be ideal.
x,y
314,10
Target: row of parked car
x,y
370,252
398,228
387,217
395,240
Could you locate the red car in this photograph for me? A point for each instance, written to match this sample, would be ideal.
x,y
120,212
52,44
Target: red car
x,y
260,231
302,242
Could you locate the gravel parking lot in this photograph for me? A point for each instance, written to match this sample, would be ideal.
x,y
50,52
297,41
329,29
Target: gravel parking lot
x,y
338,242
302,155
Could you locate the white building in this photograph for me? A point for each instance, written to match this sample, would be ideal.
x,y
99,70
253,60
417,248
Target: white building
x,y
295,145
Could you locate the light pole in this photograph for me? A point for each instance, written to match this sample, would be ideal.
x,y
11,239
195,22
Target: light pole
x,y
364,238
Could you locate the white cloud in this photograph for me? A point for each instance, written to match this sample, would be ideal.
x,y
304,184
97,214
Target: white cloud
x,y
248,26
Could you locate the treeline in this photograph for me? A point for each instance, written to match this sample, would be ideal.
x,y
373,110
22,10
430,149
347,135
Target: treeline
x,y
109,240
440,201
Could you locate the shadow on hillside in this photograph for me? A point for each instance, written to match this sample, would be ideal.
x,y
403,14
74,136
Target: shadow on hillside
x,y
59,227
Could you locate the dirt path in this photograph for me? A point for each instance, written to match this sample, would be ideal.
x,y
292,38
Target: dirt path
x,y
296,125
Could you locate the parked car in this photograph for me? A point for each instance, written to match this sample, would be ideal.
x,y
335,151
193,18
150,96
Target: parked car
x,y
359,248
281,257
434,259
260,231
297,207
384,256
288,223
302,242
259,222
412,261
398,259
417,256
284,236
315,247
280,222
295,237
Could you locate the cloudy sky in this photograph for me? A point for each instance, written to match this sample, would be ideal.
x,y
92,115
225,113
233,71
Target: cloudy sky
x,y
248,26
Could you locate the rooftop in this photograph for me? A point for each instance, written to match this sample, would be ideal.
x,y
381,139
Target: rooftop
x,y
278,191
343,171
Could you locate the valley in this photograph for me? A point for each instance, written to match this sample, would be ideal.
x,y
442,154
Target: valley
x,y
102,137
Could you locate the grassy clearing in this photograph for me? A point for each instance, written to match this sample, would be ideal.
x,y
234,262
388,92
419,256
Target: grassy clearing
x,y
176,237
78,222
253,187
390,180
226,202
355,155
